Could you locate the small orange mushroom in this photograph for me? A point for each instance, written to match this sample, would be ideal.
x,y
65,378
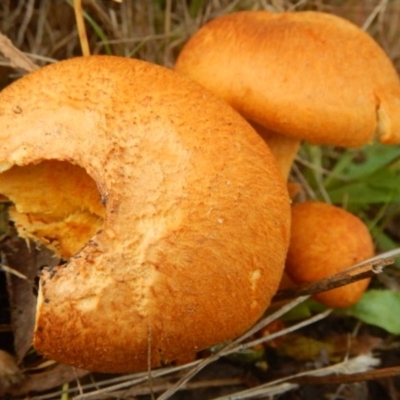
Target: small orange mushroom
x,y
326,240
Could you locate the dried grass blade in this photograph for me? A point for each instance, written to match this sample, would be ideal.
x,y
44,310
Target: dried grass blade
x,y
80,24
16,57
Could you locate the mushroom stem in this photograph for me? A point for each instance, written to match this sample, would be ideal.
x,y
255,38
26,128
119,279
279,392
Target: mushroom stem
x,y
284,148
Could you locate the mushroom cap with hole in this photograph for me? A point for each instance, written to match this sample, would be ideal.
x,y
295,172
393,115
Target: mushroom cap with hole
x,y
326,240
307,75
167,207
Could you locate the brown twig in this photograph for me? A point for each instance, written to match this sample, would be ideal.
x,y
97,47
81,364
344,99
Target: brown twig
x,y
358,272
350,378
46,380
145,389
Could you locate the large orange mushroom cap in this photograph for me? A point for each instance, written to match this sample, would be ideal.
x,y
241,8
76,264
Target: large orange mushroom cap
x,y
303,75
325,240
169,209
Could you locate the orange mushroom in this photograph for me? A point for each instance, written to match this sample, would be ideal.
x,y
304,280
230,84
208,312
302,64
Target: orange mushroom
x,y
298,76
155,207
326,240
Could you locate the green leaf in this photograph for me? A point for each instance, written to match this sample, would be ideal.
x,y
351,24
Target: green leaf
x,y
250,356
377,157
304,310
380,187
379,308
385,243
301,311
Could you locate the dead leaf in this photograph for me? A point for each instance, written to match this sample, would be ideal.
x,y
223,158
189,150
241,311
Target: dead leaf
x,y
51,378
335,348
354,346
10,374
27,262
302,348
16,57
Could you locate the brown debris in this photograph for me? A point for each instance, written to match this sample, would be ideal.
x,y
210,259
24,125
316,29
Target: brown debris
x,y
17,58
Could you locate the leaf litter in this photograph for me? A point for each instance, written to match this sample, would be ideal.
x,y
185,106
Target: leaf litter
x,y
39,376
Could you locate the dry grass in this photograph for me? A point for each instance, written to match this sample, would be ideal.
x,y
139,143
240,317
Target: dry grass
x,y
155,30
46,31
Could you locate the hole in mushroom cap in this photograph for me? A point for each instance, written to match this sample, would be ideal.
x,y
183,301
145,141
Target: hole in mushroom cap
x,y
55,203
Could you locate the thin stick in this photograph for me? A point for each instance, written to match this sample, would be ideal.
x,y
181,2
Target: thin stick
x,y
375,374
336,373
135,379
264,322
363,270
80,23
144,390
280,333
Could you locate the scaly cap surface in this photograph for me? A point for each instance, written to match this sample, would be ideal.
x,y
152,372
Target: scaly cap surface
x,y
186,214
307,75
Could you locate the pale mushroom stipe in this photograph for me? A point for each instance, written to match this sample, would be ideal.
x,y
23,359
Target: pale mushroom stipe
x,y
168,208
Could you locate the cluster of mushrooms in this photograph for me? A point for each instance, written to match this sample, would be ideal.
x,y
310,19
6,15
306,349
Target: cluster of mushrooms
x,y
165,192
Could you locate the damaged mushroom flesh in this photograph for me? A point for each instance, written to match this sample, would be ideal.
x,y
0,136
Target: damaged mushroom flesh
x,y
57,203
168,209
